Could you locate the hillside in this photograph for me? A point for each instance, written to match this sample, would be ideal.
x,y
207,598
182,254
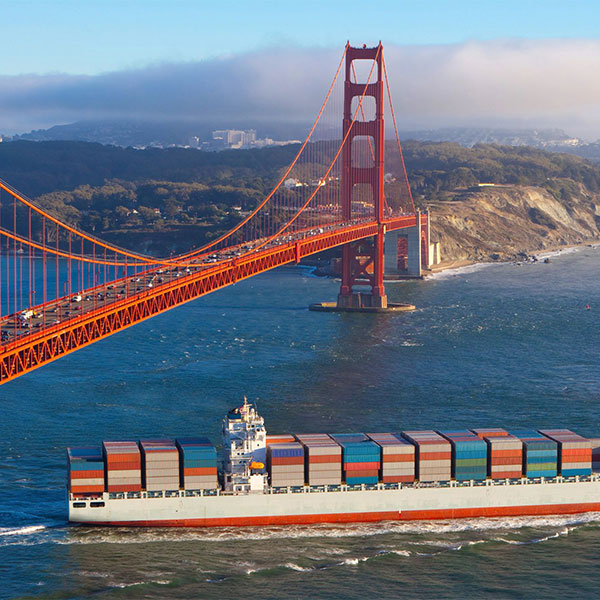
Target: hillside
x,y
162,201
498,223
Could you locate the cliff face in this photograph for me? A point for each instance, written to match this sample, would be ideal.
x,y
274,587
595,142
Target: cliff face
x,y
499,222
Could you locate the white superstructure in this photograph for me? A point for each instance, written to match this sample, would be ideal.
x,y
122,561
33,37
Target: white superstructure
x,y
244,450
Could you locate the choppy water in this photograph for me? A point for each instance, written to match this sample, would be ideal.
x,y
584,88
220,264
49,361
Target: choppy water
x,y
500,345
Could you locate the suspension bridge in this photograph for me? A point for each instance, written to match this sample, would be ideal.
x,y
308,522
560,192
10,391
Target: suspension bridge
x,y
62,289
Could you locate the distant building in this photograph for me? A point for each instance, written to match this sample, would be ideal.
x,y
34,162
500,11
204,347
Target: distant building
x,y
291,183
235,139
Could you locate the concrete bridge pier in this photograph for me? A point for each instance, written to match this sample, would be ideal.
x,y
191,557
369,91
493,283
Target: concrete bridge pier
x,y
406,250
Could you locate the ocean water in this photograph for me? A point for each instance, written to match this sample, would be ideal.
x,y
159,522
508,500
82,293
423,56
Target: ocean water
x,y
498,345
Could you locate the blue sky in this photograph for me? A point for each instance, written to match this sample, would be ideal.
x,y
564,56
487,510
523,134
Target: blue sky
x,y
94,36
452,63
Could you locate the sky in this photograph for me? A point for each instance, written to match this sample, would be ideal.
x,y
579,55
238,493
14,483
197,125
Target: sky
x,y
526,63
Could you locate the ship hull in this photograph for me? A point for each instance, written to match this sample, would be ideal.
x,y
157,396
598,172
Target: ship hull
x,y
409,503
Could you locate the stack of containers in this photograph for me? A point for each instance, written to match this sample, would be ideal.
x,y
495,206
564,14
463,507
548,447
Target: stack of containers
x,y
285,464
123,466
595,444
361,458
161,465
574,452
86,470
539,454
198,463
469,455
397,457
505,453
322,459
433,456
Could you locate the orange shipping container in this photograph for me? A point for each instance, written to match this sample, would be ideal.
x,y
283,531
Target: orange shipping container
x,y
506,460
325,458
82,489
435,456
508,474
398,478
188,471
287,460
87,475
387,458
135,487
124,466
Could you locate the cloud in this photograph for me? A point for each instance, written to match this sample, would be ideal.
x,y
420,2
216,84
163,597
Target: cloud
x,y
517,83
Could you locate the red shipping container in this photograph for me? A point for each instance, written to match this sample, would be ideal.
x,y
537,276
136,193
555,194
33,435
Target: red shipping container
x,y
112,456
280,439
135,487
398,478
124,466
87,474
506,460
490,432
325,458
508,474
361,466
200,471
287,460
577,452
363,473
512,453
435,455
387,458
82,489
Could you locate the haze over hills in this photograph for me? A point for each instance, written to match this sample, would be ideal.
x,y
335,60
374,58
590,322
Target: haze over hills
x,y
137,133
127,133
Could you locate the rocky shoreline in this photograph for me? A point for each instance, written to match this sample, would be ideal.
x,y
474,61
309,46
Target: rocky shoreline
x,y
512,223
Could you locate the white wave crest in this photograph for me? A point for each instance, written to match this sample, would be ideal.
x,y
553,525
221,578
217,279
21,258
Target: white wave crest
x,y
27,530
559,252
354,561
295,567
82,535
136,583
457,271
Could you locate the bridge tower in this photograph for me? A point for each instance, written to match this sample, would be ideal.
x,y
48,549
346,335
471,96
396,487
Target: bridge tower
x,y
363,261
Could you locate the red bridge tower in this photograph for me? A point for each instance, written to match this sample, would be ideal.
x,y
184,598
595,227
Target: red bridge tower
x,y
362,261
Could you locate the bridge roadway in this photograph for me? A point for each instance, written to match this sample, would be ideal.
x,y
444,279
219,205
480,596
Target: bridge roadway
x,y
66,324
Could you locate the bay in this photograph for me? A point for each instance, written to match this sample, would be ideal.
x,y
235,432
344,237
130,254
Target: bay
x,y
496,345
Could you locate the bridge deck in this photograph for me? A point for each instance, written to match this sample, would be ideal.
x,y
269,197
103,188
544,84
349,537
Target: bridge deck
x,y
63,326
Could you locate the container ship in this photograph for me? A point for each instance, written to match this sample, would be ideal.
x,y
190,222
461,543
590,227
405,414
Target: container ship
x,y
265,479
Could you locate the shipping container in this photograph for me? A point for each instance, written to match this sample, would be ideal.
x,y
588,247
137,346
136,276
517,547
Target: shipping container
x,y
540,454
160,465
595,446
574,452
283,438
123,466
322,459
505,453
285,464
433,456
361,458
197,463
469,455
86,472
